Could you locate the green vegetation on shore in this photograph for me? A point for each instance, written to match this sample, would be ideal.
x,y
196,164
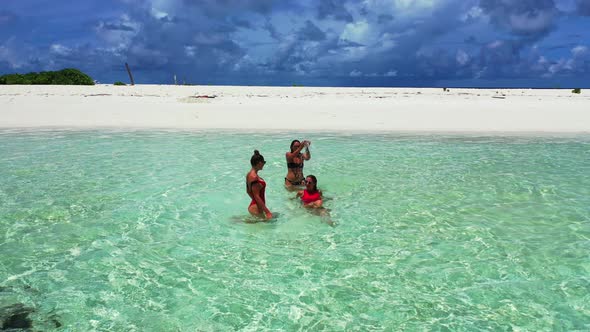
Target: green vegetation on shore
x,y
67,76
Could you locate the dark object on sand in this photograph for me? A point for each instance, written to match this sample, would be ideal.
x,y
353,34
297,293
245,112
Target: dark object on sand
x,y
205,96
577,90
129,72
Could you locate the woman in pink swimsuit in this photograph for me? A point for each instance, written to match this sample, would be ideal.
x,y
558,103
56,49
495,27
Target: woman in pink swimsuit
x,y
255,187
311,197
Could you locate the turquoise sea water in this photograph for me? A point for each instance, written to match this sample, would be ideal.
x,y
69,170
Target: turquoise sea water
x,y
142,231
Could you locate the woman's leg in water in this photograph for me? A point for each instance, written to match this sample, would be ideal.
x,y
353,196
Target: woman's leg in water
x,y
253,209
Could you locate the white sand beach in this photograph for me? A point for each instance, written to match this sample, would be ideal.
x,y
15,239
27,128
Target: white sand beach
x,y
295,109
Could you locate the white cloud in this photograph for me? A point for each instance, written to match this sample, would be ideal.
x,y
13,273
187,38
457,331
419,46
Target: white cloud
x,y
353,53
579,50
567,6
577,62
495,44
462,57
162,8
542,60
474,13
414,4
190,51
369,36
120,33
402,7
386,42
244,63
356,73
60,49
391,73
158,14
528,23
358,32
556,67
10,52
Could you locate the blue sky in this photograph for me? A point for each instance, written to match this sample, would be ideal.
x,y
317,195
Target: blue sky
x,y
479,43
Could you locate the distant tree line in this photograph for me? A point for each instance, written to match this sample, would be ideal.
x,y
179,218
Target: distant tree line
x,y
67,76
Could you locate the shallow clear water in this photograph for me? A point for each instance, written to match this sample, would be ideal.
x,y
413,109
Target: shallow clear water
x,y
143,231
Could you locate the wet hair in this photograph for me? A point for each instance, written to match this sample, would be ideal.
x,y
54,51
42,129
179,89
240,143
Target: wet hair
x,y
314,180
293,143
256,158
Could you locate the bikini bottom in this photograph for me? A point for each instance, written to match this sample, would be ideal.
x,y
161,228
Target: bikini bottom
x,y
295,183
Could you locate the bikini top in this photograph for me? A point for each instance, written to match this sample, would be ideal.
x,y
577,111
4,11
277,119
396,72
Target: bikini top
x,y
295,165
310,198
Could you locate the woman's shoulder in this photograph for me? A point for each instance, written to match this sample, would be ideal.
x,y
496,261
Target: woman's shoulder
x,y
251,176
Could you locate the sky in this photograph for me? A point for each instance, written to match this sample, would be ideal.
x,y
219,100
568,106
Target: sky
x,y
424,43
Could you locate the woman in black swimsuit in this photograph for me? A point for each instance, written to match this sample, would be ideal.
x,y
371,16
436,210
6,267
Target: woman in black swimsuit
x,y
295,160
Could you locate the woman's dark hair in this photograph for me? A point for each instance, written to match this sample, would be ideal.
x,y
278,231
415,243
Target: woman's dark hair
x,y
314,180
256,158
293,143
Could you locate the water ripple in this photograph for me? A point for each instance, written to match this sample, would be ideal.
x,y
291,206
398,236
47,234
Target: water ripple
x,y
137,231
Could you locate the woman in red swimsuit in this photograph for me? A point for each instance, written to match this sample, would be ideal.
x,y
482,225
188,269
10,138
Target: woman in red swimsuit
x,y
255,187
311,197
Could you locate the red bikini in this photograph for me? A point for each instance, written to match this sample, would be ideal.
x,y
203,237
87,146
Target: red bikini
x,y
263,184
310,198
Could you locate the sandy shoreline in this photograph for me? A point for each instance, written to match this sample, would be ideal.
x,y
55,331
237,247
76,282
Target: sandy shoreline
x,y
305,109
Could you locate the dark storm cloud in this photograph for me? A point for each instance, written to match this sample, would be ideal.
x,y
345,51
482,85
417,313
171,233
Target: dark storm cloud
x,y
300,52
268,26
242,23
333,9
384,18
583,7
327,42
523,17
500,54
120,27
223,7
7,17
311,32
471,40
